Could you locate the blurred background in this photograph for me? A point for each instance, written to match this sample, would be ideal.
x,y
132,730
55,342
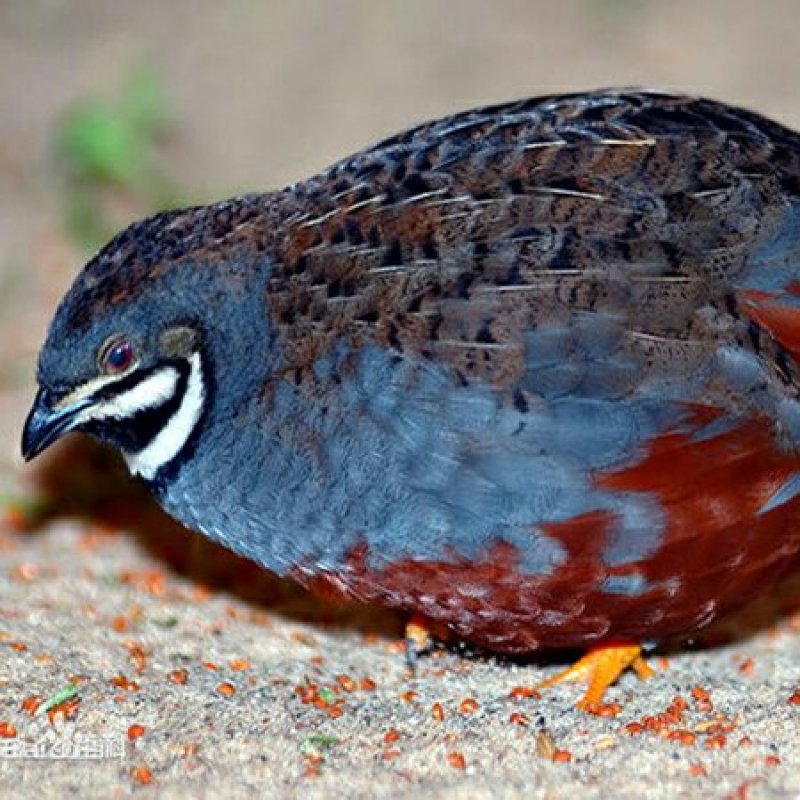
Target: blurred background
x,y
111,110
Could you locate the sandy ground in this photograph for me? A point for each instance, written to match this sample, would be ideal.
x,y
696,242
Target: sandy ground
x,y
198,675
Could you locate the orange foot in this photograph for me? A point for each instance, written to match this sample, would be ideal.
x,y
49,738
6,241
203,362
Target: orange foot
x,y
600,668
419,639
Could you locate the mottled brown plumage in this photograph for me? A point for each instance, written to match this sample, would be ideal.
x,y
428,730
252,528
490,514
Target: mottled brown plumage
x,y
452,239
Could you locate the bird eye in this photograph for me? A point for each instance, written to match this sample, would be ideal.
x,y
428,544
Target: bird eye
x,y
116,356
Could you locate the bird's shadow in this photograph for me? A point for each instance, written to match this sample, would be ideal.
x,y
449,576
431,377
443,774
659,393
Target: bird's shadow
x,y
82,479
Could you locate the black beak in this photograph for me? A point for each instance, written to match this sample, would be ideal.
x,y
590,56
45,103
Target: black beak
x,y
45,425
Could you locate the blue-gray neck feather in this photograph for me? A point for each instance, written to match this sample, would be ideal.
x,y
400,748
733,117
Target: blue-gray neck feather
x,y
238,355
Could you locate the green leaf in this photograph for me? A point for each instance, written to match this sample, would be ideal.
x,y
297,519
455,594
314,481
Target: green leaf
x,y
164,622
62,695
327,695
318,741
100,145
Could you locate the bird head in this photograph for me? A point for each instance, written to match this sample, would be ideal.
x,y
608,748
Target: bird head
x,y
127,358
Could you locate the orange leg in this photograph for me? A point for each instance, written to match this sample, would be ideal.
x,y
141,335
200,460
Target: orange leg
x,y
419,639
600,668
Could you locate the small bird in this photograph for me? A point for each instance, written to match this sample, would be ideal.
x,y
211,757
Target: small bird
x,y
529,372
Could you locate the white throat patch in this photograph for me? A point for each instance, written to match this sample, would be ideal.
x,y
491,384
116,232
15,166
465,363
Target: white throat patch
x,y
169,441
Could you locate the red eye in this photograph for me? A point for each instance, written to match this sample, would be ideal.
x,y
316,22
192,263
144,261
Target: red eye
x,y
117,357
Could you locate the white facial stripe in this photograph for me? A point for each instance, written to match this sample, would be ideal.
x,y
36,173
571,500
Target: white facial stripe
x,y
149,393
169,441
87,389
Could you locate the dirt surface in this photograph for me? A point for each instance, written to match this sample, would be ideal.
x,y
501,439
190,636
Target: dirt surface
x,y
198,675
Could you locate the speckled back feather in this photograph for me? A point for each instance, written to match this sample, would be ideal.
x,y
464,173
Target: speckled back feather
x,y
458,238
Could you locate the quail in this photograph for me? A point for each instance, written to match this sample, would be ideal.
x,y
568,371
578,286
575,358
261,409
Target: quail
x,y
529,371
